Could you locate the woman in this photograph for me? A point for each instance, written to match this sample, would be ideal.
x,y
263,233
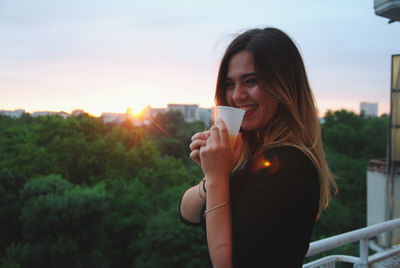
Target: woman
x,y
260,198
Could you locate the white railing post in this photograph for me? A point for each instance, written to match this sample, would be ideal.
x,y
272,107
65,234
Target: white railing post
x,y
363,235
363,254
328,265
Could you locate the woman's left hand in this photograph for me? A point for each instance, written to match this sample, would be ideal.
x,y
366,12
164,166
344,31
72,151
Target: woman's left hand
x,y
218,156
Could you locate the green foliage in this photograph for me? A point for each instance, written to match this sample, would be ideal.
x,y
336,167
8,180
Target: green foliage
x,y
350,141
18,149
78,192
172,147
164,173
64,227
130,209
44,185
95,193
10,207
347,211
81,149
166,242
355,136
335,220
173,134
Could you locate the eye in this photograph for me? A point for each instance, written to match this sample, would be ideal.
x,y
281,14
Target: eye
x,y
251,81
229,84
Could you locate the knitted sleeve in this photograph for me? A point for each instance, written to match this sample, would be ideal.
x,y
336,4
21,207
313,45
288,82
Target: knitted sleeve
x,y
274,210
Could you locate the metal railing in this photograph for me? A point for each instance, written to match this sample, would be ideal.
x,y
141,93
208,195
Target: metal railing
x,y
363,235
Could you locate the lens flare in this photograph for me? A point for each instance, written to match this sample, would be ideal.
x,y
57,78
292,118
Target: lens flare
x,y
268,162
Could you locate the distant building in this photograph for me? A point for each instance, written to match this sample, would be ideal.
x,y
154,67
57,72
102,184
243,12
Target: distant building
x,y
78,112
369,108
42,113
63,114
189,111
45,113
144,118
14,114
155,111
204,115
113,117
147,112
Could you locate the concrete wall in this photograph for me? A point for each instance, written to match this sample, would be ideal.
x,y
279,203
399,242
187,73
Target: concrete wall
x,y
378,200
376,197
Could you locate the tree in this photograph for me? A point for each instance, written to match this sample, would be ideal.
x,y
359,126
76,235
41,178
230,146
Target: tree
x,y
62,225
173,134
350,141
167,242
166,124
129,214
355,136
11,182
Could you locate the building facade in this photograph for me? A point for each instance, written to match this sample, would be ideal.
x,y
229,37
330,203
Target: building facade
x,y
13,114
369,108
192,112
189,111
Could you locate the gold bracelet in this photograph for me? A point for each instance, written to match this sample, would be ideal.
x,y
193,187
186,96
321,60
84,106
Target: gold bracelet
x,y
201,196
218,206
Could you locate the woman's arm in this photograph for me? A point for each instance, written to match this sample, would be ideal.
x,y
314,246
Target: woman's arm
x,y
217,161
193,199
192,203
219,229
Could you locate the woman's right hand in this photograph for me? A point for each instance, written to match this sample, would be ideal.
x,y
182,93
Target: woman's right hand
x,y
198,140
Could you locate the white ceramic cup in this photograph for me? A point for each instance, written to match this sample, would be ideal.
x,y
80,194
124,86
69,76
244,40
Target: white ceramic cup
x,y
232,118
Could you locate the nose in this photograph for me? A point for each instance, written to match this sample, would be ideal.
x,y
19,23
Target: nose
x,y
239,93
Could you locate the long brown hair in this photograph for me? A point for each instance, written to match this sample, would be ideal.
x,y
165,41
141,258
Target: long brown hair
x,y
280,71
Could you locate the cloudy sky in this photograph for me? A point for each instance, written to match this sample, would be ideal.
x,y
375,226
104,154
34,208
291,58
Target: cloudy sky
x,y
105,56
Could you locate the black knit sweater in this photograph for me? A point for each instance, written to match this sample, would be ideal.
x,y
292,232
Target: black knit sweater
x,y
274,202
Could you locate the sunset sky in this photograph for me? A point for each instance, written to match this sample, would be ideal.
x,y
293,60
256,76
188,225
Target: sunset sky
x,y
106,56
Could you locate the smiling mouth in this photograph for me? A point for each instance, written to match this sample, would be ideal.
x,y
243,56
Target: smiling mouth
x,y
248,108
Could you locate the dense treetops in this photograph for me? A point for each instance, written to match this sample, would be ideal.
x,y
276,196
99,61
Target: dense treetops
x,y
78,192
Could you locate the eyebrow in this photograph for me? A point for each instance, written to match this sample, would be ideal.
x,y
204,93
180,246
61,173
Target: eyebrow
x,y
243,76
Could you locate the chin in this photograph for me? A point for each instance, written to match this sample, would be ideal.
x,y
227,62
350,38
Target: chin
x,y
253,125
248,127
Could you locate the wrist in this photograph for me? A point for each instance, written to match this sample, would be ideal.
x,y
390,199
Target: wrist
x,y
217,184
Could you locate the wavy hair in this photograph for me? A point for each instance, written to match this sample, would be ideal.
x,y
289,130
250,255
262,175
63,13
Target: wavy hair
x,y
280,71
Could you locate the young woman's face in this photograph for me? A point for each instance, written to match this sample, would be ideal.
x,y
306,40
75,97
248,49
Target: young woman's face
x,y
243,91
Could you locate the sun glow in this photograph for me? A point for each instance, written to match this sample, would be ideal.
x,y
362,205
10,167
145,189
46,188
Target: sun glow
x,y
136,113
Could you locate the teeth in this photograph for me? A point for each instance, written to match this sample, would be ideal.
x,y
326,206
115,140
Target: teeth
x,y
248,108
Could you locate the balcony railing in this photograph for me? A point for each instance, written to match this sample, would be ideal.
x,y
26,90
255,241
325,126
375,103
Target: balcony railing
x,y
362,235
